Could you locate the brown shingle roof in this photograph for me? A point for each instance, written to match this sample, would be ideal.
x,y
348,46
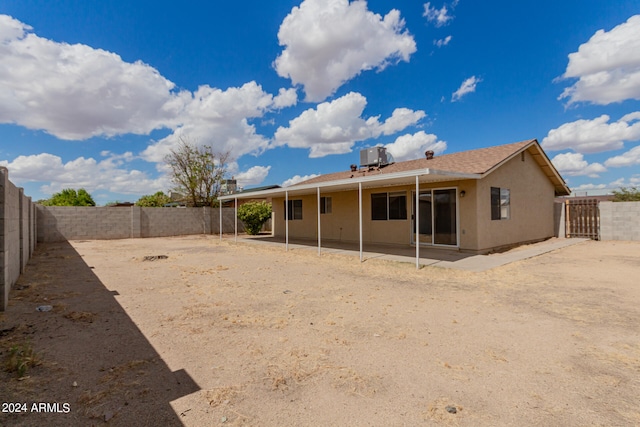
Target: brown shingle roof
x,y
477,161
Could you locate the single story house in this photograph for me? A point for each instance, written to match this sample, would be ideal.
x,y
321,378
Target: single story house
x,y
476,201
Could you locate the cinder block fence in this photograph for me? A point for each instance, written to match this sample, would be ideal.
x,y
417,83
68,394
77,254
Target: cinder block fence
x,y
17,234
60,223
620,221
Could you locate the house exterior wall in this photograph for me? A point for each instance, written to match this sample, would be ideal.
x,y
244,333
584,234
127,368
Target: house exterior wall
x,y
531,211
532,205
342,223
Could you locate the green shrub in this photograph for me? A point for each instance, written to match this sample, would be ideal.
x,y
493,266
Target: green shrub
x,y
626,195
20,358
156,200
254,215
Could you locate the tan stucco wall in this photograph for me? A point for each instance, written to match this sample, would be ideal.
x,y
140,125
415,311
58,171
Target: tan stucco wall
x,y
342,224
532,205
532,201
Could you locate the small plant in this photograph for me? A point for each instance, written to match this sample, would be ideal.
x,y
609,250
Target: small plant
x,y
254,215
21,358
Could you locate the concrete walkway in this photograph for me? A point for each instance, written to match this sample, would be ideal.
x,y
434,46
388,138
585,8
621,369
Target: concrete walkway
x,y
429,256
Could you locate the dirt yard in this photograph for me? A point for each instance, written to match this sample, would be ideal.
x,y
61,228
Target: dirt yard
x,y
234,335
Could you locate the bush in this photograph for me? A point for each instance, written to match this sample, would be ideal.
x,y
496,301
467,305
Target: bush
x,y
156,200
626,195
69,197
254,215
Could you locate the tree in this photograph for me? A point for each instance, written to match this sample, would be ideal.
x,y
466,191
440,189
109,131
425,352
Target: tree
x,y
156,200
254,215
69,197
197,172
626,195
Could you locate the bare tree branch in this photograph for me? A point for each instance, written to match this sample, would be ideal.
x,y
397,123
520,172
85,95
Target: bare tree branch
x,y
197,172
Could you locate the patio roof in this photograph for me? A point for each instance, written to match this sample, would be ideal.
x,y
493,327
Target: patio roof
x,y
383,180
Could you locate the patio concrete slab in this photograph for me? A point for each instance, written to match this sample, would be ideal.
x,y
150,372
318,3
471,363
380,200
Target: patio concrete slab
x,y
429,256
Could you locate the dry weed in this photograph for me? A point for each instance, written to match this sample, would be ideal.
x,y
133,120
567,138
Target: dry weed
x,y
349,381
80,316
221,395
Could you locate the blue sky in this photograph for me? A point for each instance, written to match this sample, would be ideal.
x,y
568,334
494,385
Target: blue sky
x,y
94,94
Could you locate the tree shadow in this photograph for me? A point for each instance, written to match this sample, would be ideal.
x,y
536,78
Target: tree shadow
x,y
93,364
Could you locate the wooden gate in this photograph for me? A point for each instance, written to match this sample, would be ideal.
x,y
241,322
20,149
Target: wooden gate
x,y
582,218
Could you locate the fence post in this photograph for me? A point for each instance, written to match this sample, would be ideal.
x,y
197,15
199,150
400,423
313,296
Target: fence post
x,y
567,215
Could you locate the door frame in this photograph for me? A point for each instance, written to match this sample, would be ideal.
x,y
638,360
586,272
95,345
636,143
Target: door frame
x,y
413,215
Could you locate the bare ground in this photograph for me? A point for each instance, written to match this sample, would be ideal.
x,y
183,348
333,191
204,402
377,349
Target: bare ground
x,y
224,334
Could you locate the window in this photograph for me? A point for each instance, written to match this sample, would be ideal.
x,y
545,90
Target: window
x,y
294,209
325,205
500,203
386,206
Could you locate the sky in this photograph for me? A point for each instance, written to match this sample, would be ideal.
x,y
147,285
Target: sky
x,y
95,94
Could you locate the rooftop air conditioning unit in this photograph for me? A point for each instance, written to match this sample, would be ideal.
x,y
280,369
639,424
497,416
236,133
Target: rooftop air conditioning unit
x,y
228,186
375,156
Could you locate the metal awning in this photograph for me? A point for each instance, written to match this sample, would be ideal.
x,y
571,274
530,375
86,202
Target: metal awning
x,y
382,180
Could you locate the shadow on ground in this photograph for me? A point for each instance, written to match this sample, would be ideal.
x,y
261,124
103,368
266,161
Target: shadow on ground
x,y
92,363
428,254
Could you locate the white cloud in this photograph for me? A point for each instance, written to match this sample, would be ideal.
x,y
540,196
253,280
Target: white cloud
x,y
574,164
11,28
328,42
409,147
439,17
593,136
83,172
297,179
220,118
467,86
253,176
75,91
592,189
334,127
584,187
285,98
607,66
630,158
442,42
400,119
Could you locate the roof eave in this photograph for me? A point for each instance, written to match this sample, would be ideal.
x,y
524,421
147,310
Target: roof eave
x,y
561,188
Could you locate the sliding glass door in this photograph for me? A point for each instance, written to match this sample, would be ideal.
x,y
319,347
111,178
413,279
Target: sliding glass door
x,y
438,222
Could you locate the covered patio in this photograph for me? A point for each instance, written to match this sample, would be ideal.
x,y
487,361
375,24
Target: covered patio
x,y
355,183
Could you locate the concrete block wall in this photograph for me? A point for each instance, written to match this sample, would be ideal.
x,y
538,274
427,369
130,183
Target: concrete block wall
x,y
60,223
620,221
23,219
16,234
159,222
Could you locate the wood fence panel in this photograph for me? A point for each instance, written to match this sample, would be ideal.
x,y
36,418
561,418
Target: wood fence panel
x,y
583,218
